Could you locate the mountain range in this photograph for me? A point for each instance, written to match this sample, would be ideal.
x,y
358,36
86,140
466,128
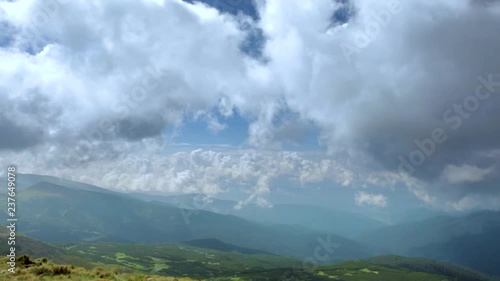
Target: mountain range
x,y
63,212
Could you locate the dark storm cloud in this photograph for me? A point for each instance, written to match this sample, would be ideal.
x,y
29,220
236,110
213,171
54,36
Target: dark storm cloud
x,y
139,128
38,106
26,122
344,12
17,137
6,37
447,58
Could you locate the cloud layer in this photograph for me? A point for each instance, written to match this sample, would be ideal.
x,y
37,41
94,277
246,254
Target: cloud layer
x,y
393,87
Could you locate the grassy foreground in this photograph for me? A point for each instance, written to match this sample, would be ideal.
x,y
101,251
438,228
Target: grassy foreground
x,y
42,269
178,259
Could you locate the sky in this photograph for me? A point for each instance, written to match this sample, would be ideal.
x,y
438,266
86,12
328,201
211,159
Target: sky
x,y
258,98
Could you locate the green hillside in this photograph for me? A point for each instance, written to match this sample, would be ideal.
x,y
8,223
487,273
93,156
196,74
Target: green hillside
x,y
218,245
349,271
131,261
105,227
35,248
177,259
54,213
29,269
430,266
41,269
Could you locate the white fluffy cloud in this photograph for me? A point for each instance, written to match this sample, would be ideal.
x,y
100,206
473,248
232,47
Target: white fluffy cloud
x,y
377,200
415,68
464,174
138,65
197,170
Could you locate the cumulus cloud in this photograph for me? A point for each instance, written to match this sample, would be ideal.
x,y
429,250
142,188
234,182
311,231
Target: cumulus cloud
x,y
475,202
376,200
399,85
193,171
463,174
150,166
137,71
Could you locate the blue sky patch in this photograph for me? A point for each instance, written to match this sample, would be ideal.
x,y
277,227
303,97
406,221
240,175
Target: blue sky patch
x,y
6,34
197,132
